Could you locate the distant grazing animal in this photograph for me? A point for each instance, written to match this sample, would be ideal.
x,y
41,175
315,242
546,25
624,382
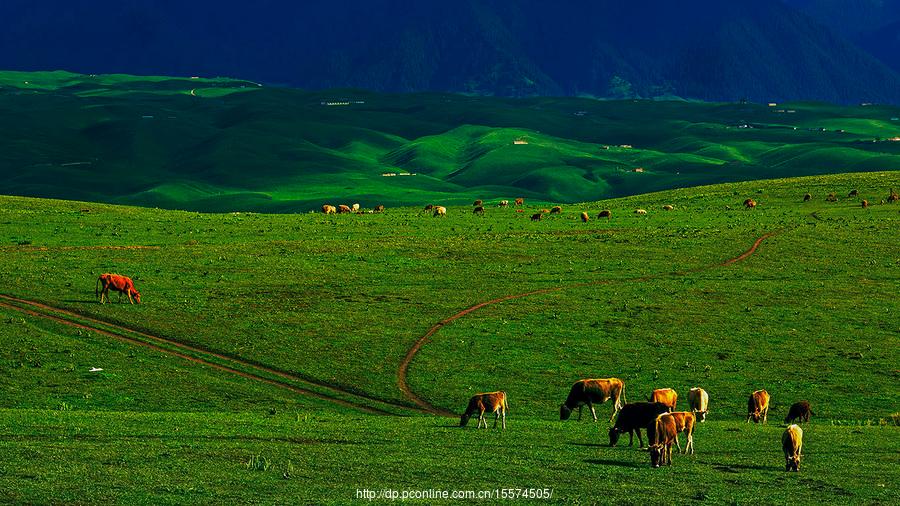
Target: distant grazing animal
x,y
640,211
758,406
536,216
668,207
478,203
545,211
584,217
831,197
355,207
894,197
379,208
520,201
556,210
440,211
329,209
799,411
661,434
606,213
807,197
792,444
685,421
853,193
493,402
117,283
634,417
504,203
593,391
342,209
698,402
429,207
749,203
478,210
666,396
864,203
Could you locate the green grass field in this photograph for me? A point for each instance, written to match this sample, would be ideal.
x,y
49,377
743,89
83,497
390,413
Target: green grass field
x,y
228,145
263,364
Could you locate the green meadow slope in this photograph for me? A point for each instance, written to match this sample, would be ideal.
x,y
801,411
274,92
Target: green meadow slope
x,y
227,145
266,356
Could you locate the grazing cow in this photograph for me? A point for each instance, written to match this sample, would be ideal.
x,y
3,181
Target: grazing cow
x,y
749,203
593,391
807,197
329,209
584,217
520,201
342,209
545,211
634,417
640,211
666,396
792,444
478,210
537,216
668,207
606,213
698,402
893,197
853,193
115,282
556,210
864,203
799,410
379,208
493,402
831,197
429,207
685,421
660,435
440,211
504,203
355,207
478,203
758,406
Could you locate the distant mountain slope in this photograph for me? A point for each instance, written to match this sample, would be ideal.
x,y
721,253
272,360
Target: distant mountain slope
x,y
758,49
224,145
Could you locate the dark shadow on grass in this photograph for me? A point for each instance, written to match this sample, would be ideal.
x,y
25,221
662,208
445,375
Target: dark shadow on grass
x,y
733,468
75,301
617,463
593,445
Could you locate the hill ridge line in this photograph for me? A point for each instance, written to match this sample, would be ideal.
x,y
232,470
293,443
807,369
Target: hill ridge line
x,y
403,369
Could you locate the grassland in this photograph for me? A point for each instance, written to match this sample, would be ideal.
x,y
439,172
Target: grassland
x,y
229,145
333,304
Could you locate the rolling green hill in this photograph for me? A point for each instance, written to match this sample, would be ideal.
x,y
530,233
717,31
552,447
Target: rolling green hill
x,y
226,145
273,352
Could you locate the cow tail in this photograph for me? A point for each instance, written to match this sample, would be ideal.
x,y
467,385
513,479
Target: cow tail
x,y
623,395
97,288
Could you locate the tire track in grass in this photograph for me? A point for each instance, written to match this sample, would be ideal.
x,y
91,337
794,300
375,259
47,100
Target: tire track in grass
x,y
208,358
425,405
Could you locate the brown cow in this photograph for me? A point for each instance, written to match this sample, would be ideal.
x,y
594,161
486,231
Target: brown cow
x,y
668,207
893,197
429,207
494,402
799,410
342,209
536,217
749,203
327,209
666,396
121,284
831,197
379,208
698,402
864,203
556,210
606,213
520,201
478,203
685,421
853,193
591,391
640,211
661,434
584,217
504,203
478,210
758,406
807,197
792,444
440,211
355,207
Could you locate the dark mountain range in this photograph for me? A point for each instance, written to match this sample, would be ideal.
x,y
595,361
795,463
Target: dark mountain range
x,y
756,49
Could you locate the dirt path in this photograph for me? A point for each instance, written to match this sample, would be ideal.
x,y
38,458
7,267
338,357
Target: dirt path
x,y
197,355
403,370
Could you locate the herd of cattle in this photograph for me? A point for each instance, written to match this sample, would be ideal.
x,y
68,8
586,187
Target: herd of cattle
x,y
658,416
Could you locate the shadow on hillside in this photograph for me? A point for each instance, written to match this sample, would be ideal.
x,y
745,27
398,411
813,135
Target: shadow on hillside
x,y
619,463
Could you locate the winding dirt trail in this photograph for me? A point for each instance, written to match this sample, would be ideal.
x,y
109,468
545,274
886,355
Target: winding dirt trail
x,y
403,370
205,357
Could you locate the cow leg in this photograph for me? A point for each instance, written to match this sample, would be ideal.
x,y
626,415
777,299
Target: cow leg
x,y
765,416
593,412
130,299
691,443
504,419
496,418
631,438
640,441
105,293
579,412
678,443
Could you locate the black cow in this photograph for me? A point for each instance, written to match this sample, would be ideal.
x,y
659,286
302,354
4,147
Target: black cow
x,y
634,417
